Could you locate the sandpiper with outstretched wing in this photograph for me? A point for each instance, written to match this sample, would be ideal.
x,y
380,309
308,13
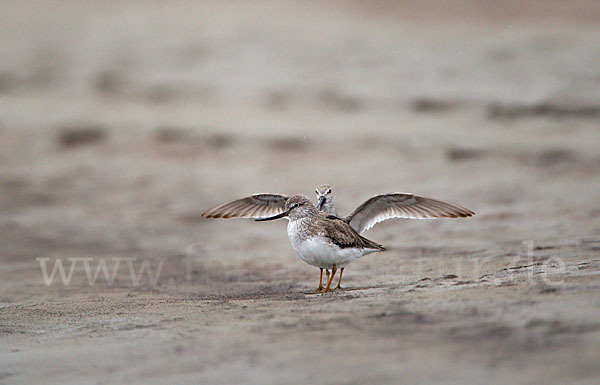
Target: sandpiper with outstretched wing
x,y
374,210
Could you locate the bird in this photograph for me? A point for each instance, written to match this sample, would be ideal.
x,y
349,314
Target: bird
x,y
376,209
321,239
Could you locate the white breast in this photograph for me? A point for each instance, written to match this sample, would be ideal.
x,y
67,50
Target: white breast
x,y
318,251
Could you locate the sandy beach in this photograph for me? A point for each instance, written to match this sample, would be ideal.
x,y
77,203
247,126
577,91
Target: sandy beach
x,y
121,123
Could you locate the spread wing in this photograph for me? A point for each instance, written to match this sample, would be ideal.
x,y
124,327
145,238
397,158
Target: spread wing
x,y
401,205
254,206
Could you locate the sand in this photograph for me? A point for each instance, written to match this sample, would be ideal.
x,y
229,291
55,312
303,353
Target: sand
x,y
120,124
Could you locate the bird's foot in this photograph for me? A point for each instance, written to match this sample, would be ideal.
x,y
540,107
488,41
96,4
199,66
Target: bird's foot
x,y
338,287
322,290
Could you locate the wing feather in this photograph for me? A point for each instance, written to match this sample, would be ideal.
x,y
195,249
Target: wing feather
x,y
254,206
402,205
339,233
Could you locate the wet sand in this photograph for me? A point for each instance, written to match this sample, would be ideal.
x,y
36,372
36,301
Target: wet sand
x,y
120,124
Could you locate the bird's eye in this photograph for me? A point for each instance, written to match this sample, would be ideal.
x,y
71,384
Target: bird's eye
x,y
328,191
317,192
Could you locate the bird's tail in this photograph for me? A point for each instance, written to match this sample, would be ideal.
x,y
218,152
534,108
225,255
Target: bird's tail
x,y
372,245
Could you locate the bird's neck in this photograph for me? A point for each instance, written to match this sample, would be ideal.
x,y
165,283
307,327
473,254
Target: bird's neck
x,y
329,207
309,213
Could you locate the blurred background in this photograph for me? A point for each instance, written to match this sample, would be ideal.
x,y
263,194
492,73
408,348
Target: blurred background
x,y
121,122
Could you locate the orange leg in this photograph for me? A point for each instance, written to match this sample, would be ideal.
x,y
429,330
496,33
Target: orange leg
x,y
328,287
320,289
339,285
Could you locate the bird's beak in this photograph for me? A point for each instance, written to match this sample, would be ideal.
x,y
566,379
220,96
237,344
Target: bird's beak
x,y
283,214
321,202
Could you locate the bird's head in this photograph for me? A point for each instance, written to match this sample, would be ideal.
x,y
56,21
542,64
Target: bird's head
x,y
324,195
296,207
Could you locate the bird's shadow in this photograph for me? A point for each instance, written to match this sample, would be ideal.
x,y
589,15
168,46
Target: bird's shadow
x,y
350,289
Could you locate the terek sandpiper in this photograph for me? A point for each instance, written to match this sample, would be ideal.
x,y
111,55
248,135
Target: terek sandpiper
x,y
374,210
322,240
